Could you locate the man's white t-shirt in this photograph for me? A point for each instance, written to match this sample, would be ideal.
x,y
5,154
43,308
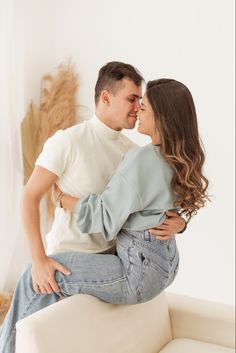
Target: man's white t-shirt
x,y
84,157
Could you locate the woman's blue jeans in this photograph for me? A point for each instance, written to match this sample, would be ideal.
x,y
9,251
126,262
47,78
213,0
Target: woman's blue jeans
x,y
142,268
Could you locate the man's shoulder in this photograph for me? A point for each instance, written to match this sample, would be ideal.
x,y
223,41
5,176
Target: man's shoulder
x,y
75,130
71,134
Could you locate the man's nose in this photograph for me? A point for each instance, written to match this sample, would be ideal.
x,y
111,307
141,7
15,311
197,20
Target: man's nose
x,y
137,106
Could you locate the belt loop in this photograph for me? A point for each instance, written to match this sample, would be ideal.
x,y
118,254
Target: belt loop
x,y
170,242
146,235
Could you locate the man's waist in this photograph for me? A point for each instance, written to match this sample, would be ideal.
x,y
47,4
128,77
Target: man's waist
x,y
85,243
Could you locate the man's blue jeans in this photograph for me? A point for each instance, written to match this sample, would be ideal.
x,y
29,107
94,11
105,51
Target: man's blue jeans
x,y
143,267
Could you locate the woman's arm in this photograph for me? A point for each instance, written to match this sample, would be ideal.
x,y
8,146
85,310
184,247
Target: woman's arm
x,y
69,202
105,213
63,200
172,225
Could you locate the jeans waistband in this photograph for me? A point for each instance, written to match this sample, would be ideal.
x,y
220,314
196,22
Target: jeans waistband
x,y
147,236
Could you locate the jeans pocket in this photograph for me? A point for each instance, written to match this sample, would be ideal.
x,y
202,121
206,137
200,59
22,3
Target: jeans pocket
x,y
158,268
153,280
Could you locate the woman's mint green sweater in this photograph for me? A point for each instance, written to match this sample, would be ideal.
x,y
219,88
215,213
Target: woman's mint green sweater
x,y
136,198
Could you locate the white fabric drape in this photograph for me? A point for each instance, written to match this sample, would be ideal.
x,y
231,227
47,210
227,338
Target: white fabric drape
x,y
11,113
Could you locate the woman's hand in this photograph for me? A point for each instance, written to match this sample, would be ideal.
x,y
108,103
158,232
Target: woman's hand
x,y
43,275
65,201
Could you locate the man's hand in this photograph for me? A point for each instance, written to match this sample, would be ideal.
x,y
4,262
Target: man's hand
x,y
172,225
43,275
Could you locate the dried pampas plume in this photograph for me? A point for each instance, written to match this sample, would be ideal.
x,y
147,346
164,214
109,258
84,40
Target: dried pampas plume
x,y
58,110
5,301
58,101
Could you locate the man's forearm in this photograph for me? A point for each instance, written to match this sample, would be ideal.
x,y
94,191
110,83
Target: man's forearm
x,y
31,224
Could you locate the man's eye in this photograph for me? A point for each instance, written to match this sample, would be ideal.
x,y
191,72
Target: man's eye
x,y
131,100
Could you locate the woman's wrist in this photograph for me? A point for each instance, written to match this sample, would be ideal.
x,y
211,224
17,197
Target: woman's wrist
x,y
58,201
63,200
68,202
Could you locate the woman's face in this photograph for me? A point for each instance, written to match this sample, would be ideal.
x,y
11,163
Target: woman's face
x,y
146,120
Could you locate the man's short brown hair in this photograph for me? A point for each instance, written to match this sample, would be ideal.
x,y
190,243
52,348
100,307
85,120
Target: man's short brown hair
x,y
112,73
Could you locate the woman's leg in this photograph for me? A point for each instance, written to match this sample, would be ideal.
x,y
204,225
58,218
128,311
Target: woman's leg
x,y
99,275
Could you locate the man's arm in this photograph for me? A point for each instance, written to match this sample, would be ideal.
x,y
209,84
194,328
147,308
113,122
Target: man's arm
x,y
173,224
43,267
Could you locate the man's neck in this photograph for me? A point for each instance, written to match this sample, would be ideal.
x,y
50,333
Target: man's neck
x,y
107,121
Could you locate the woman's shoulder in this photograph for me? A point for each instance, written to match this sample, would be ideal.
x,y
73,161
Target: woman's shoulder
x,y
140,157
144,153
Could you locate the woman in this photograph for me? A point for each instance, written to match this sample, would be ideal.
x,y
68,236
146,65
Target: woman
x,y
165,175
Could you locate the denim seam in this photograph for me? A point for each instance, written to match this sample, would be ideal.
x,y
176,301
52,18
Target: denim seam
x,y
28,305
97,283
142,275
22,315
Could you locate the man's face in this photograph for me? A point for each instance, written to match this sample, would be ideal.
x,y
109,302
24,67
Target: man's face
x,y
124,105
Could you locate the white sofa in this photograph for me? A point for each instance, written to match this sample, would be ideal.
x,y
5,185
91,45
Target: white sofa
x,y
170,323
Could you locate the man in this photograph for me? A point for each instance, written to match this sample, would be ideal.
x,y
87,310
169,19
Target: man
x,y
81,160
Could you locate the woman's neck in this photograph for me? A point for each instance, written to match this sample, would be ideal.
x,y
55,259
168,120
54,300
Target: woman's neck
x,y
156,139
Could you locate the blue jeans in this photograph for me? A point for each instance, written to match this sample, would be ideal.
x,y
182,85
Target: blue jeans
x,y
142,268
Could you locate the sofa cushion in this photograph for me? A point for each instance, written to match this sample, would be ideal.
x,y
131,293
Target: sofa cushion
x,y
183,345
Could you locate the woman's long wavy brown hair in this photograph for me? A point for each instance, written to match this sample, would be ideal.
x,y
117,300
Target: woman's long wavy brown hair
x,y
176,120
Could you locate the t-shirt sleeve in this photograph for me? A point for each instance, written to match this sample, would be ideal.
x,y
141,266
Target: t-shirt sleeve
x,y
106,213
55,154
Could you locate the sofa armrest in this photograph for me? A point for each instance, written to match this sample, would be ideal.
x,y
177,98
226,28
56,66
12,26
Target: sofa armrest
x,y
87,324
201,320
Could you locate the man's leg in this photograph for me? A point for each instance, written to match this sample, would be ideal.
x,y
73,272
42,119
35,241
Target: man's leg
x,y
99,275
25,302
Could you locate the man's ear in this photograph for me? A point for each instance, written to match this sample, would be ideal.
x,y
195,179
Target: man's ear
x,y
105,97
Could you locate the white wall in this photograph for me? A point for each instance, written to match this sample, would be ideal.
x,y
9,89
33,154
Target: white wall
x,y
190,40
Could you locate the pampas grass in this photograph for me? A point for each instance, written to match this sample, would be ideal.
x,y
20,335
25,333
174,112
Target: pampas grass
x,y
30,138
5,301
58,102
57,110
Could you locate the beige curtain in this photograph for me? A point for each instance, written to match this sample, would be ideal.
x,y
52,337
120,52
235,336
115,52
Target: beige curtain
x,y
11,176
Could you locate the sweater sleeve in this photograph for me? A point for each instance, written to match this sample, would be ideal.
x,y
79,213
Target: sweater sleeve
x,y
106,213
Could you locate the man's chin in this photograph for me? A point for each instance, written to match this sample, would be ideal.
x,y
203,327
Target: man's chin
x,y
131,125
